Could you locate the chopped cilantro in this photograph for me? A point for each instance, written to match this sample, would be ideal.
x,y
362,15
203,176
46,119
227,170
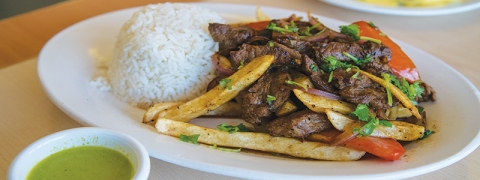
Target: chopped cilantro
x,y
426,134
353,31
372,25
270,43
192,138
226,83
233,129
330,77
242,63
420,109
385,123
386,77
270,98
332,63
314,68
363,113
272,26
323,30
359,61
355,76
214,146
413,91
306,32
289,82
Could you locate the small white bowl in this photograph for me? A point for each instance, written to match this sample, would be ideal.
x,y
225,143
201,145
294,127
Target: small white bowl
x,y
84,136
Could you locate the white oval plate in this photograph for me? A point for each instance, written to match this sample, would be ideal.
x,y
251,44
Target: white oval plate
x,y
65,69
468,5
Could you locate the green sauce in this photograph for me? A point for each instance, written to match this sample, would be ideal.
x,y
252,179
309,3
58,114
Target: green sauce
x,y
84,162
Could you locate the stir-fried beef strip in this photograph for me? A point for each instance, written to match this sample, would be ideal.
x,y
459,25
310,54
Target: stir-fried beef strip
x,y
320,81
299,124
362,51
362,90
253,100
284,56
429,94
306,54
229,37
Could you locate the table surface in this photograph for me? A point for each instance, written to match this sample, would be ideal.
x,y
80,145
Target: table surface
x,y
28,114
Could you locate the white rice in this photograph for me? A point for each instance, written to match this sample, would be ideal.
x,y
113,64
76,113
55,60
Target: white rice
x,y
162,54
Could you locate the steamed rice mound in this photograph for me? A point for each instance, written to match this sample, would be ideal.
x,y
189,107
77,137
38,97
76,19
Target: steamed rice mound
x,y
162,54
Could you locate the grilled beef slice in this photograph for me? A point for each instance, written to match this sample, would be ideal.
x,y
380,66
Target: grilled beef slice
x,y
253,100
299,124
336,49
362,90
229,37
284,56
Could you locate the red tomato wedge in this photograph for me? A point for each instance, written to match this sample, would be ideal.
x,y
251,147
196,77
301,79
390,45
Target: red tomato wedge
x,y
400,63
388,149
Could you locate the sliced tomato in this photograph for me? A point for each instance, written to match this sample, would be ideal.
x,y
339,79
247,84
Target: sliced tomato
x,y
400,63
258,25
388,149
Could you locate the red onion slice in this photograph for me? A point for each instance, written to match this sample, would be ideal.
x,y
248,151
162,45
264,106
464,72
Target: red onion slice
x,y
222,64
319,92
326,94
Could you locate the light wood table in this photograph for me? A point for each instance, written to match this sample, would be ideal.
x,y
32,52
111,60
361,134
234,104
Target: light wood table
x,y
27,114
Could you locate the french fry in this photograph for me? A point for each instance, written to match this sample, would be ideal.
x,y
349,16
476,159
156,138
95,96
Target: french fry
x,y
400,130
219,95
260,15
398,112
287,108
228,109
397,93
259,141
152,112
320,104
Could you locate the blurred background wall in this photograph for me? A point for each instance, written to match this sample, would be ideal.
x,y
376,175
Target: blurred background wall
x,y
10,8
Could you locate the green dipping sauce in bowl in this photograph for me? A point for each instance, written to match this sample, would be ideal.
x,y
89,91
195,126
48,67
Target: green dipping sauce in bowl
x,y
82,153
84,162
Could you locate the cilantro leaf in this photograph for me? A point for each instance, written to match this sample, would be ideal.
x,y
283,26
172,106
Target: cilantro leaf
x,y
242,63
426,134
271,44
270,98
387,77
289,82
332,63
352,30
363,113
192,138
358,61
272,26
385,123
413,91
420,109
226,83
314,68
233,129
372,25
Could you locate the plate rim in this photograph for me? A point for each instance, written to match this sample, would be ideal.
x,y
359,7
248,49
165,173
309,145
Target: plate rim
x,y
404,11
